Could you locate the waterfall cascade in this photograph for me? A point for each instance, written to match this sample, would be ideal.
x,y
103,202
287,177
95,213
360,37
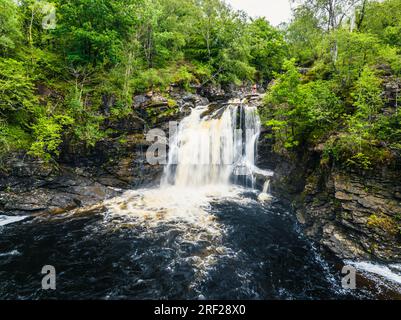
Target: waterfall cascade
x,y
265,195
215,148
209,154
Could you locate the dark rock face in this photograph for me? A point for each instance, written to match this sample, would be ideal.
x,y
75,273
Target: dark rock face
x,y
354,215
86,176
391,95
223,94
118,162
289,173
33,187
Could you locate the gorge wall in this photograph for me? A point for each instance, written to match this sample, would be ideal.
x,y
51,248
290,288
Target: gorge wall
x,y
353,214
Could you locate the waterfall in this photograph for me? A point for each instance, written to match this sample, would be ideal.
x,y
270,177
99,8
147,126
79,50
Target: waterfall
x,y
266,187
211,151
265,195
214,148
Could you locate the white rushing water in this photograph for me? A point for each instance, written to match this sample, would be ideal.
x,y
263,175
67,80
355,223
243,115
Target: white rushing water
x,y
265,195
216,148
5,220
390,272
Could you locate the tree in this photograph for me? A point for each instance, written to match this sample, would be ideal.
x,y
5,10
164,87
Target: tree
x,y
10,29
384,20
219,41
360,14
268,49
93,31
304,35
367,95
331,13
16,89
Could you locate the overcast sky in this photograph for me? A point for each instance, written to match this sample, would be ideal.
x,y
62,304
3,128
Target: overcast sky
x,y
276,11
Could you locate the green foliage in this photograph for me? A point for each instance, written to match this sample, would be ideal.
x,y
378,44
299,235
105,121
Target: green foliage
x,y
388,129
47,132
10,32
16,88
338,101
90,132
304,36
357,50
87,124
299,112
358,145
67,83
384,20
268,48
93,30
12,138
367,95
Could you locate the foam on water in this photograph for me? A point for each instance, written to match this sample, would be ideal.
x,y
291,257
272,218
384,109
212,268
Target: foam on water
x,y
174,204
390,272
5,220
11,253
204,154
185,210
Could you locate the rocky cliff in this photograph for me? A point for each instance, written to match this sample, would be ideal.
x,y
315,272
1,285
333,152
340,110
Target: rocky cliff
x,y
353,214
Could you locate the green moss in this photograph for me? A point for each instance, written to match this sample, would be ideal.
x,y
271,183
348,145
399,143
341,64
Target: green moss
x,y
172,103
383,222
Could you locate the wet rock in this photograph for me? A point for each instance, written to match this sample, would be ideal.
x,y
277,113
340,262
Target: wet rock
x,y
139,101
216,93
33,187
212,108
391,94
88,175
343,196
190,98
341,245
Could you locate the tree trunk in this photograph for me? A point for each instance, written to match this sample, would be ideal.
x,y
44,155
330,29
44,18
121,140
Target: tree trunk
x,y
362,15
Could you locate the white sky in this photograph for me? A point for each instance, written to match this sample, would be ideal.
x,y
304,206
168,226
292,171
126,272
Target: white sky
x,y
276,11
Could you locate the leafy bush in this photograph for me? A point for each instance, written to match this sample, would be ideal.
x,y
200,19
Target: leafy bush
x,y
16,88
300,113
48,136
12,138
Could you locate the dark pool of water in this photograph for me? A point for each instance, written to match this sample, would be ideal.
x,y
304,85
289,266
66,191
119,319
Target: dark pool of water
x,y
96,256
